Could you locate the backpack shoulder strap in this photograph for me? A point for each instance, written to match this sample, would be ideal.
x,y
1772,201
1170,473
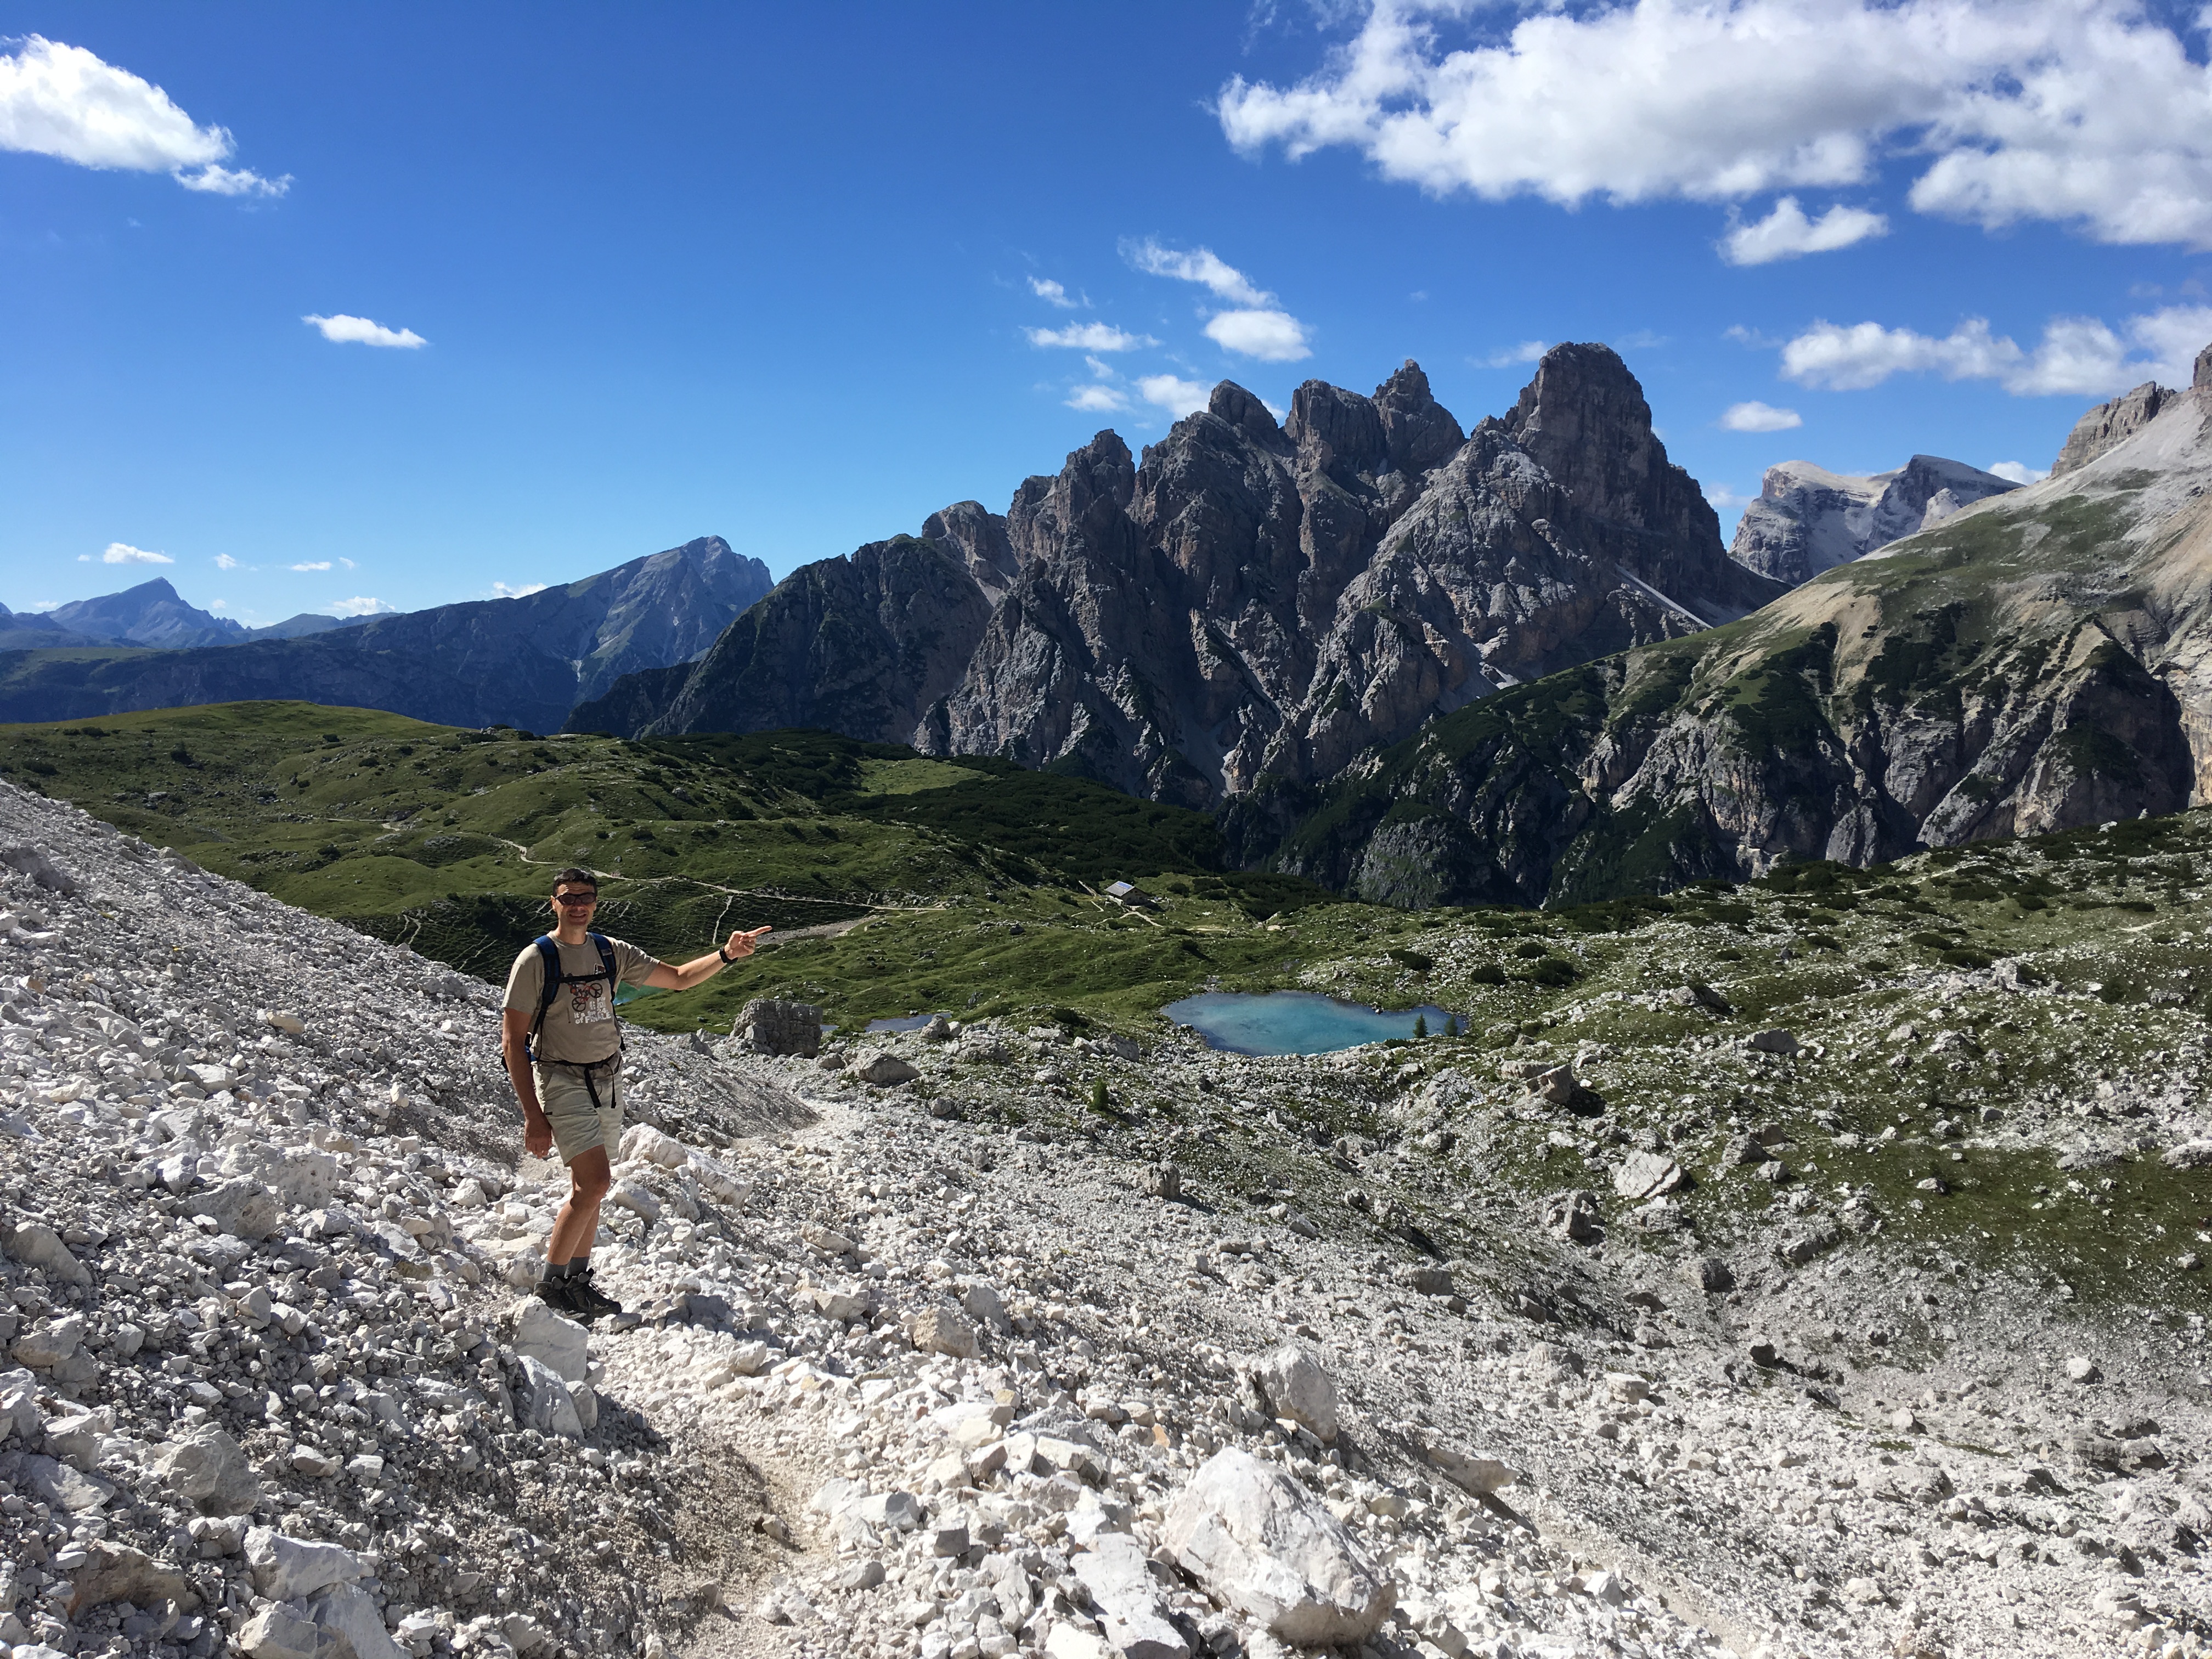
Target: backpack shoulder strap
x,y
549,959
614,983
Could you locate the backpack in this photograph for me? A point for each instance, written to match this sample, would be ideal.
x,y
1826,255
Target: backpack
x,y
549,954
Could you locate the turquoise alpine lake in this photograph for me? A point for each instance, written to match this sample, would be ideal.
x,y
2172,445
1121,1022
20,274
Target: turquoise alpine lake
x,y
1295,1022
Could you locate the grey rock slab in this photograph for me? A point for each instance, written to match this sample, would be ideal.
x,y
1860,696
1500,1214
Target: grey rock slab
x,y
940,1330
116,1572
66,1488
37,1245
287,1569
547,1404
1470,1471
209,1470
1295,1386
286,1629
1133,1613
347,1612
1647,1175
48,1345
558,1342
241,1206
1261,1542
882,1068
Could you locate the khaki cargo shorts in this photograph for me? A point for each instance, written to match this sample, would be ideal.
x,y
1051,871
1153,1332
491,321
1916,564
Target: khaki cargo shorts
x,y
566,1100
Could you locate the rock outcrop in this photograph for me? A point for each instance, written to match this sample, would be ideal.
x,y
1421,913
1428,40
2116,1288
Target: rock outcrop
x,y
1808,520
2112,424
1246,598
522,661
2039,661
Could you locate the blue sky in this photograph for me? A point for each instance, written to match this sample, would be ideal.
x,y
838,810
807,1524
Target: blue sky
x,y
774,273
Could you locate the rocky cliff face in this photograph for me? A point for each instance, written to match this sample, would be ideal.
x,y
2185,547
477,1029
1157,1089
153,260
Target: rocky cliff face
x,y
1247,599
1808,520
2040,661
2110,424
524,661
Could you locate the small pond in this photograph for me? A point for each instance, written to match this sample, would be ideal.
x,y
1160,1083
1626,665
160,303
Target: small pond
x,y
1294,1021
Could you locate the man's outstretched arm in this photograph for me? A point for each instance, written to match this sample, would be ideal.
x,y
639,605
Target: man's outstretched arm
x,y
665,978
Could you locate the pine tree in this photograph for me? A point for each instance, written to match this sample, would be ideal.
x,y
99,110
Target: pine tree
x,y
1420,1026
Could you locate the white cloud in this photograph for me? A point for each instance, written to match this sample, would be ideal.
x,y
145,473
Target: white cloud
x,y
218,604
123,553
226,181
224,561
2078,356
1200,266
1273,336
1724,499
1054,294
1529,351
2088,112
1179,397
1786,233
1756,417
63,101
359,607
1255,326
348,564
1090,336
2020,474
502,591
313,564
346,331
1098,398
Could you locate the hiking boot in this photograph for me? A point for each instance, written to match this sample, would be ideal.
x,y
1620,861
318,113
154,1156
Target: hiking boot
x,y
590,1301
560,1295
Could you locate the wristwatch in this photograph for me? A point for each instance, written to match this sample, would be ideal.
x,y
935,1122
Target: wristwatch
x,y
723,952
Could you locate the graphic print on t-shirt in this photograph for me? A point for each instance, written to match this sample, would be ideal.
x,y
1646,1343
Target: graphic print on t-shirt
x,y
588,1003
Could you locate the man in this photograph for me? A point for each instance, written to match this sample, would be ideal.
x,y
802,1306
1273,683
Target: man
x,y
563,1053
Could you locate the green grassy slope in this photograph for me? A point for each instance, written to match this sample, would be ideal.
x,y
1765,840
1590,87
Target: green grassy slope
x,y
447,839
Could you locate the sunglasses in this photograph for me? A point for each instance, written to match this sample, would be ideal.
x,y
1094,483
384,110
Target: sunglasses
x,y
576,901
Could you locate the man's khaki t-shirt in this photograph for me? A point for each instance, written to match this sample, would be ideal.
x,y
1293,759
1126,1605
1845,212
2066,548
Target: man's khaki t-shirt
x,y
580,1027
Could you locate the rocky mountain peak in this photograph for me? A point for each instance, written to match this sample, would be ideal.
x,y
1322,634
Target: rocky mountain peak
x,y
1584,420
1234,404
981,537
1084,504
1337,431
1419,431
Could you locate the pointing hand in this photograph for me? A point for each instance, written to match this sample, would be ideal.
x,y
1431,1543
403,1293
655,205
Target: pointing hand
x,y
741,943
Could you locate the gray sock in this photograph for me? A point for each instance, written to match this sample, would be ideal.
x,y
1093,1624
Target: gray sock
x,y
559,1269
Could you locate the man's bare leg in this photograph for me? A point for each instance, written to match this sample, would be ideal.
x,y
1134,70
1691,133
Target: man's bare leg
x,y
578,1224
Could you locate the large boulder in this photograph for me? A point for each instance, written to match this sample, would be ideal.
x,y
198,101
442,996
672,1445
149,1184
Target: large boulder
x,y
1261,1542
771,1025
1132,1614
286,1569
558,1343
1295,1387
207,1469
36,1245
116,1572
241,1206
547,1406
882,1068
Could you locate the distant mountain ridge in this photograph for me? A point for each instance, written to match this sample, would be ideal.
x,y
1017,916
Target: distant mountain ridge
x,y
1246,599
1808,520
151,614
522,661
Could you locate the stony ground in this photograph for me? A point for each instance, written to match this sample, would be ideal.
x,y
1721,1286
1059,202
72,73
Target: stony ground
x,y
1621,1349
